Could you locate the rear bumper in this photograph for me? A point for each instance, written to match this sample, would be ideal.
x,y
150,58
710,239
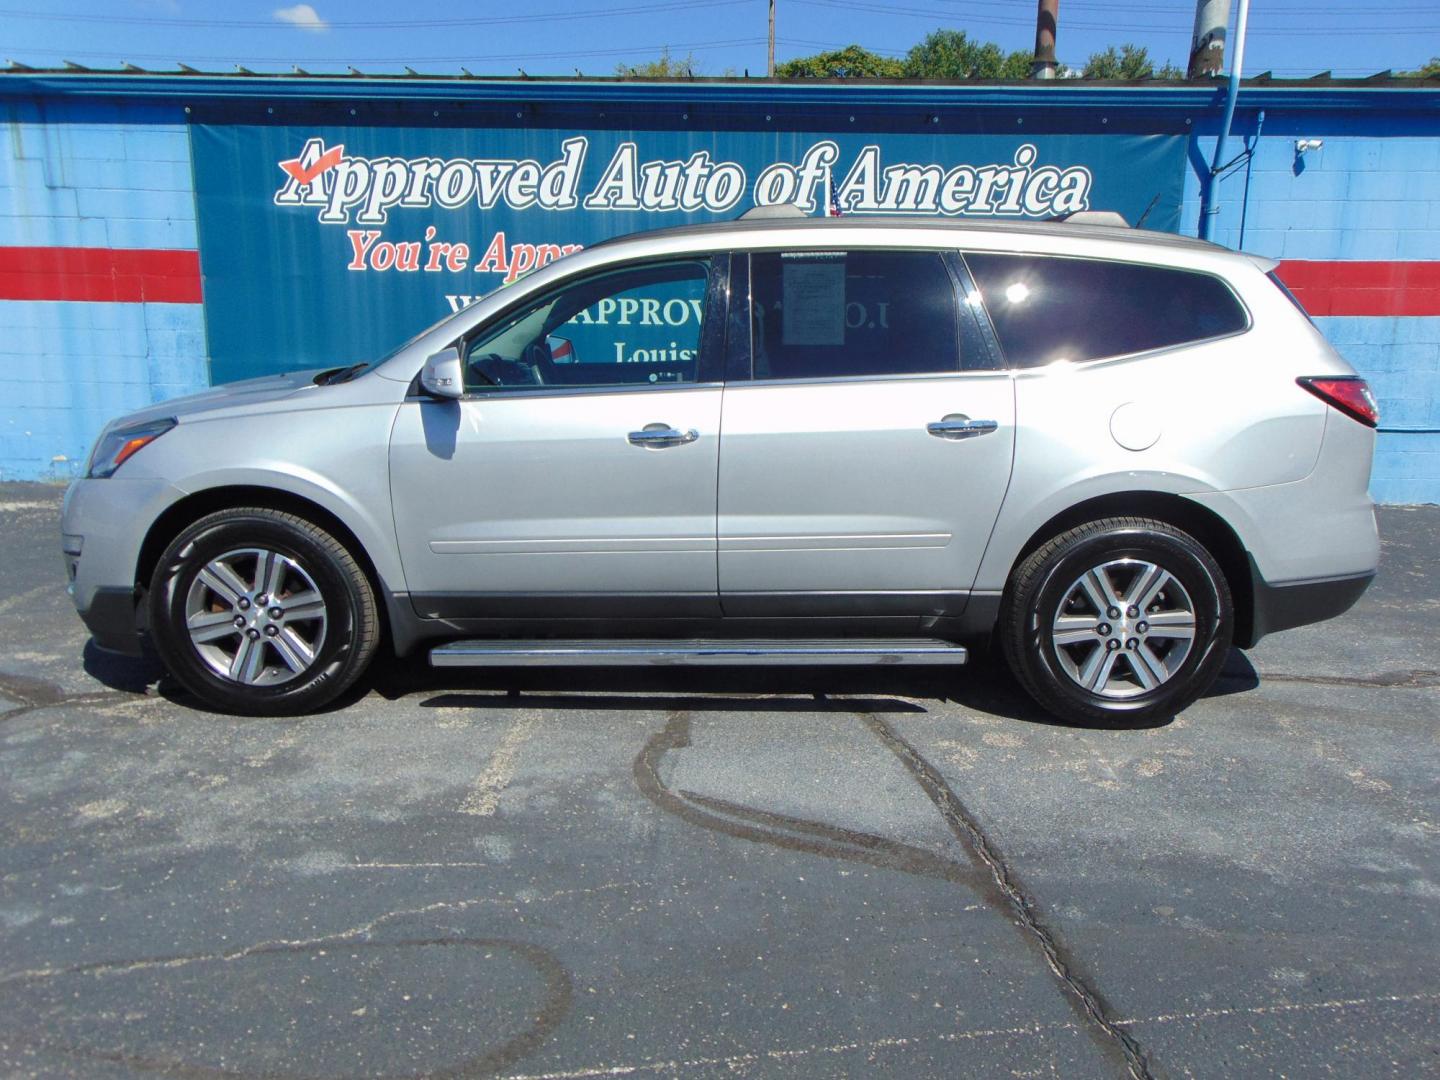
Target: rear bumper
x,y
1298,603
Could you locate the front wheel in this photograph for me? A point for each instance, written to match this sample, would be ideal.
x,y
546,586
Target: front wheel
x,y
262,613
1123,621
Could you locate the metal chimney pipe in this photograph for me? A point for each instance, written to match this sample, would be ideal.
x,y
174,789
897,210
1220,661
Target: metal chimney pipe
x,y
1207,44
1046,18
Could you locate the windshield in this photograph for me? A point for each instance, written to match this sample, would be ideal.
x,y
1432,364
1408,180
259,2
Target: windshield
x,y
406,344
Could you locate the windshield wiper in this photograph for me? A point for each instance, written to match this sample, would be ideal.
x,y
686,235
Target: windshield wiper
x,y
339,375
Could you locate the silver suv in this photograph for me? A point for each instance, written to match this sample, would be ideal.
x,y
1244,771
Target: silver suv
x,y
769,441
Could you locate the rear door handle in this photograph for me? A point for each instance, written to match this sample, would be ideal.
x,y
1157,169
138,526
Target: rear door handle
x,y
960,427
659,436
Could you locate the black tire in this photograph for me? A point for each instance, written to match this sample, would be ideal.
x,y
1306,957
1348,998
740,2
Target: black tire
x,y
341,640
1052,576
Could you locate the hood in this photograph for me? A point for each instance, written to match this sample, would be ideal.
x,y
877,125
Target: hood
x,y
247,392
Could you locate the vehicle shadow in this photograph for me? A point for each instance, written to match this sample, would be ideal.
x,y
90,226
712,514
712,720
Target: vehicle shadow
x,y
983,685
116,671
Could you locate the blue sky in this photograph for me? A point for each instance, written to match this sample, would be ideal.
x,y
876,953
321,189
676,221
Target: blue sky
x,y
557,37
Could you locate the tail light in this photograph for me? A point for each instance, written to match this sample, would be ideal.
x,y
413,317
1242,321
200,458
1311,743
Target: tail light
x,y
1348,393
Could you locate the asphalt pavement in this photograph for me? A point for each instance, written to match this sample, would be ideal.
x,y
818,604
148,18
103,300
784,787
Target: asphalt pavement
x,y
721,873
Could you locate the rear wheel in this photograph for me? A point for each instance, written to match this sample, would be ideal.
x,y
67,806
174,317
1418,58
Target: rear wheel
x,y
261,612
1119,621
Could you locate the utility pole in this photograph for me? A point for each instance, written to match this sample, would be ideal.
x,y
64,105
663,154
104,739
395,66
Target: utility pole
x,y
1045,19
1209,196
770,67
1207,44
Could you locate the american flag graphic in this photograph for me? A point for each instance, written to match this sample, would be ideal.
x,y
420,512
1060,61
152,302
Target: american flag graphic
x,y
832,201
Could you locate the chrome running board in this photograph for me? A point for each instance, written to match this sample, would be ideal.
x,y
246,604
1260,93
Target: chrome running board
x,y
597,653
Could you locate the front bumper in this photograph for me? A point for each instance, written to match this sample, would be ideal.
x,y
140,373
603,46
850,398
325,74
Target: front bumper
x,y
1298,603
114,619
104,525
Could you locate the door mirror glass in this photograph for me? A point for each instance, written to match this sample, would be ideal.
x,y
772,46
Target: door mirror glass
x,y
442,376
562,350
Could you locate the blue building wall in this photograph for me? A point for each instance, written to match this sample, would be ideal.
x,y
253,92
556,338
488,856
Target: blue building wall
x,y
1371,192
83,174
86,172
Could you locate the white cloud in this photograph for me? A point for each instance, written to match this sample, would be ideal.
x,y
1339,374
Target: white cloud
x,y
303,16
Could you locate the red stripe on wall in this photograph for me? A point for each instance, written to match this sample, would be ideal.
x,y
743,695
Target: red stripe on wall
x,y
1364,288
127,275
1324,287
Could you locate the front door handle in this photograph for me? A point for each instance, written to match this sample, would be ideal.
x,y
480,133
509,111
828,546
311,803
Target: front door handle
x,y
960,427
659,436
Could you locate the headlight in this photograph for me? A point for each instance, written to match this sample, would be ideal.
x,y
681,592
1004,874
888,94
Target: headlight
x,y
118,446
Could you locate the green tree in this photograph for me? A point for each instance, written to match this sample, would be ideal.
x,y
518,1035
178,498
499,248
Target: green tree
x,y
665,67
1018,65
954,55
851,62
1425,71
1130,62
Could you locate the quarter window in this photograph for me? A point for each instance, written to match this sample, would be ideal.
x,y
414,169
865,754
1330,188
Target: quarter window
x,y
828,314
641,325
1048,309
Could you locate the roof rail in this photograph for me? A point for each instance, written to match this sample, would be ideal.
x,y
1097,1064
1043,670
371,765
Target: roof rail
x,y
778,210
1092,217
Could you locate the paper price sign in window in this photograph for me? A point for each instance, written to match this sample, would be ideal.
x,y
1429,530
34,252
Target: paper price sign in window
x,y
813,305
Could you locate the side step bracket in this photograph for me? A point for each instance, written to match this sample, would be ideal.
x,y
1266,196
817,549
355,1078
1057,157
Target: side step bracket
x,y
597,653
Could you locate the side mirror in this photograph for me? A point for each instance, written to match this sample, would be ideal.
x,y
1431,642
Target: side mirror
x,y
442,376
562,350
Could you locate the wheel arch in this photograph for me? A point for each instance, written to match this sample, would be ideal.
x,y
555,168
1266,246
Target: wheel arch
x,y
1206,526
186,511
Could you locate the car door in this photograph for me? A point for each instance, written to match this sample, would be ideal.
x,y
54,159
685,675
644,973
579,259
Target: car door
x,y
863,463
577,476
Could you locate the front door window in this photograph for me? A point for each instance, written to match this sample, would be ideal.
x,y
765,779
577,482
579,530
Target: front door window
x,y
641,325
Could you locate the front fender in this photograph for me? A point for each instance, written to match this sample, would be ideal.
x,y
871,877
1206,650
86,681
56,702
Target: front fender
x,y
336,459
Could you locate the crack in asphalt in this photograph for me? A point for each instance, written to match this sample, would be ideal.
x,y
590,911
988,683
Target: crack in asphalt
x,y
738,1062
1420,679
970,833
34,694
338,937
778,830
819,838
558,998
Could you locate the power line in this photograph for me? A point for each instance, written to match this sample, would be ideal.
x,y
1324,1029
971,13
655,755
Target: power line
x,y
1179,12
569,15
931,13
810,44
1188,10
471,58
411,58
866,6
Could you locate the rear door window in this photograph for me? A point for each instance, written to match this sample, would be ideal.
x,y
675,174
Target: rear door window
x,y
1051,309
838,314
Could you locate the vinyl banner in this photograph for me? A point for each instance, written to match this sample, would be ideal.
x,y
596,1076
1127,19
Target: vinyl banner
x,y
330,245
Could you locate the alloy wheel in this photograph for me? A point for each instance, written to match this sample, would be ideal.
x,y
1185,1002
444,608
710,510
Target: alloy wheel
x,y
255,616
1124,628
